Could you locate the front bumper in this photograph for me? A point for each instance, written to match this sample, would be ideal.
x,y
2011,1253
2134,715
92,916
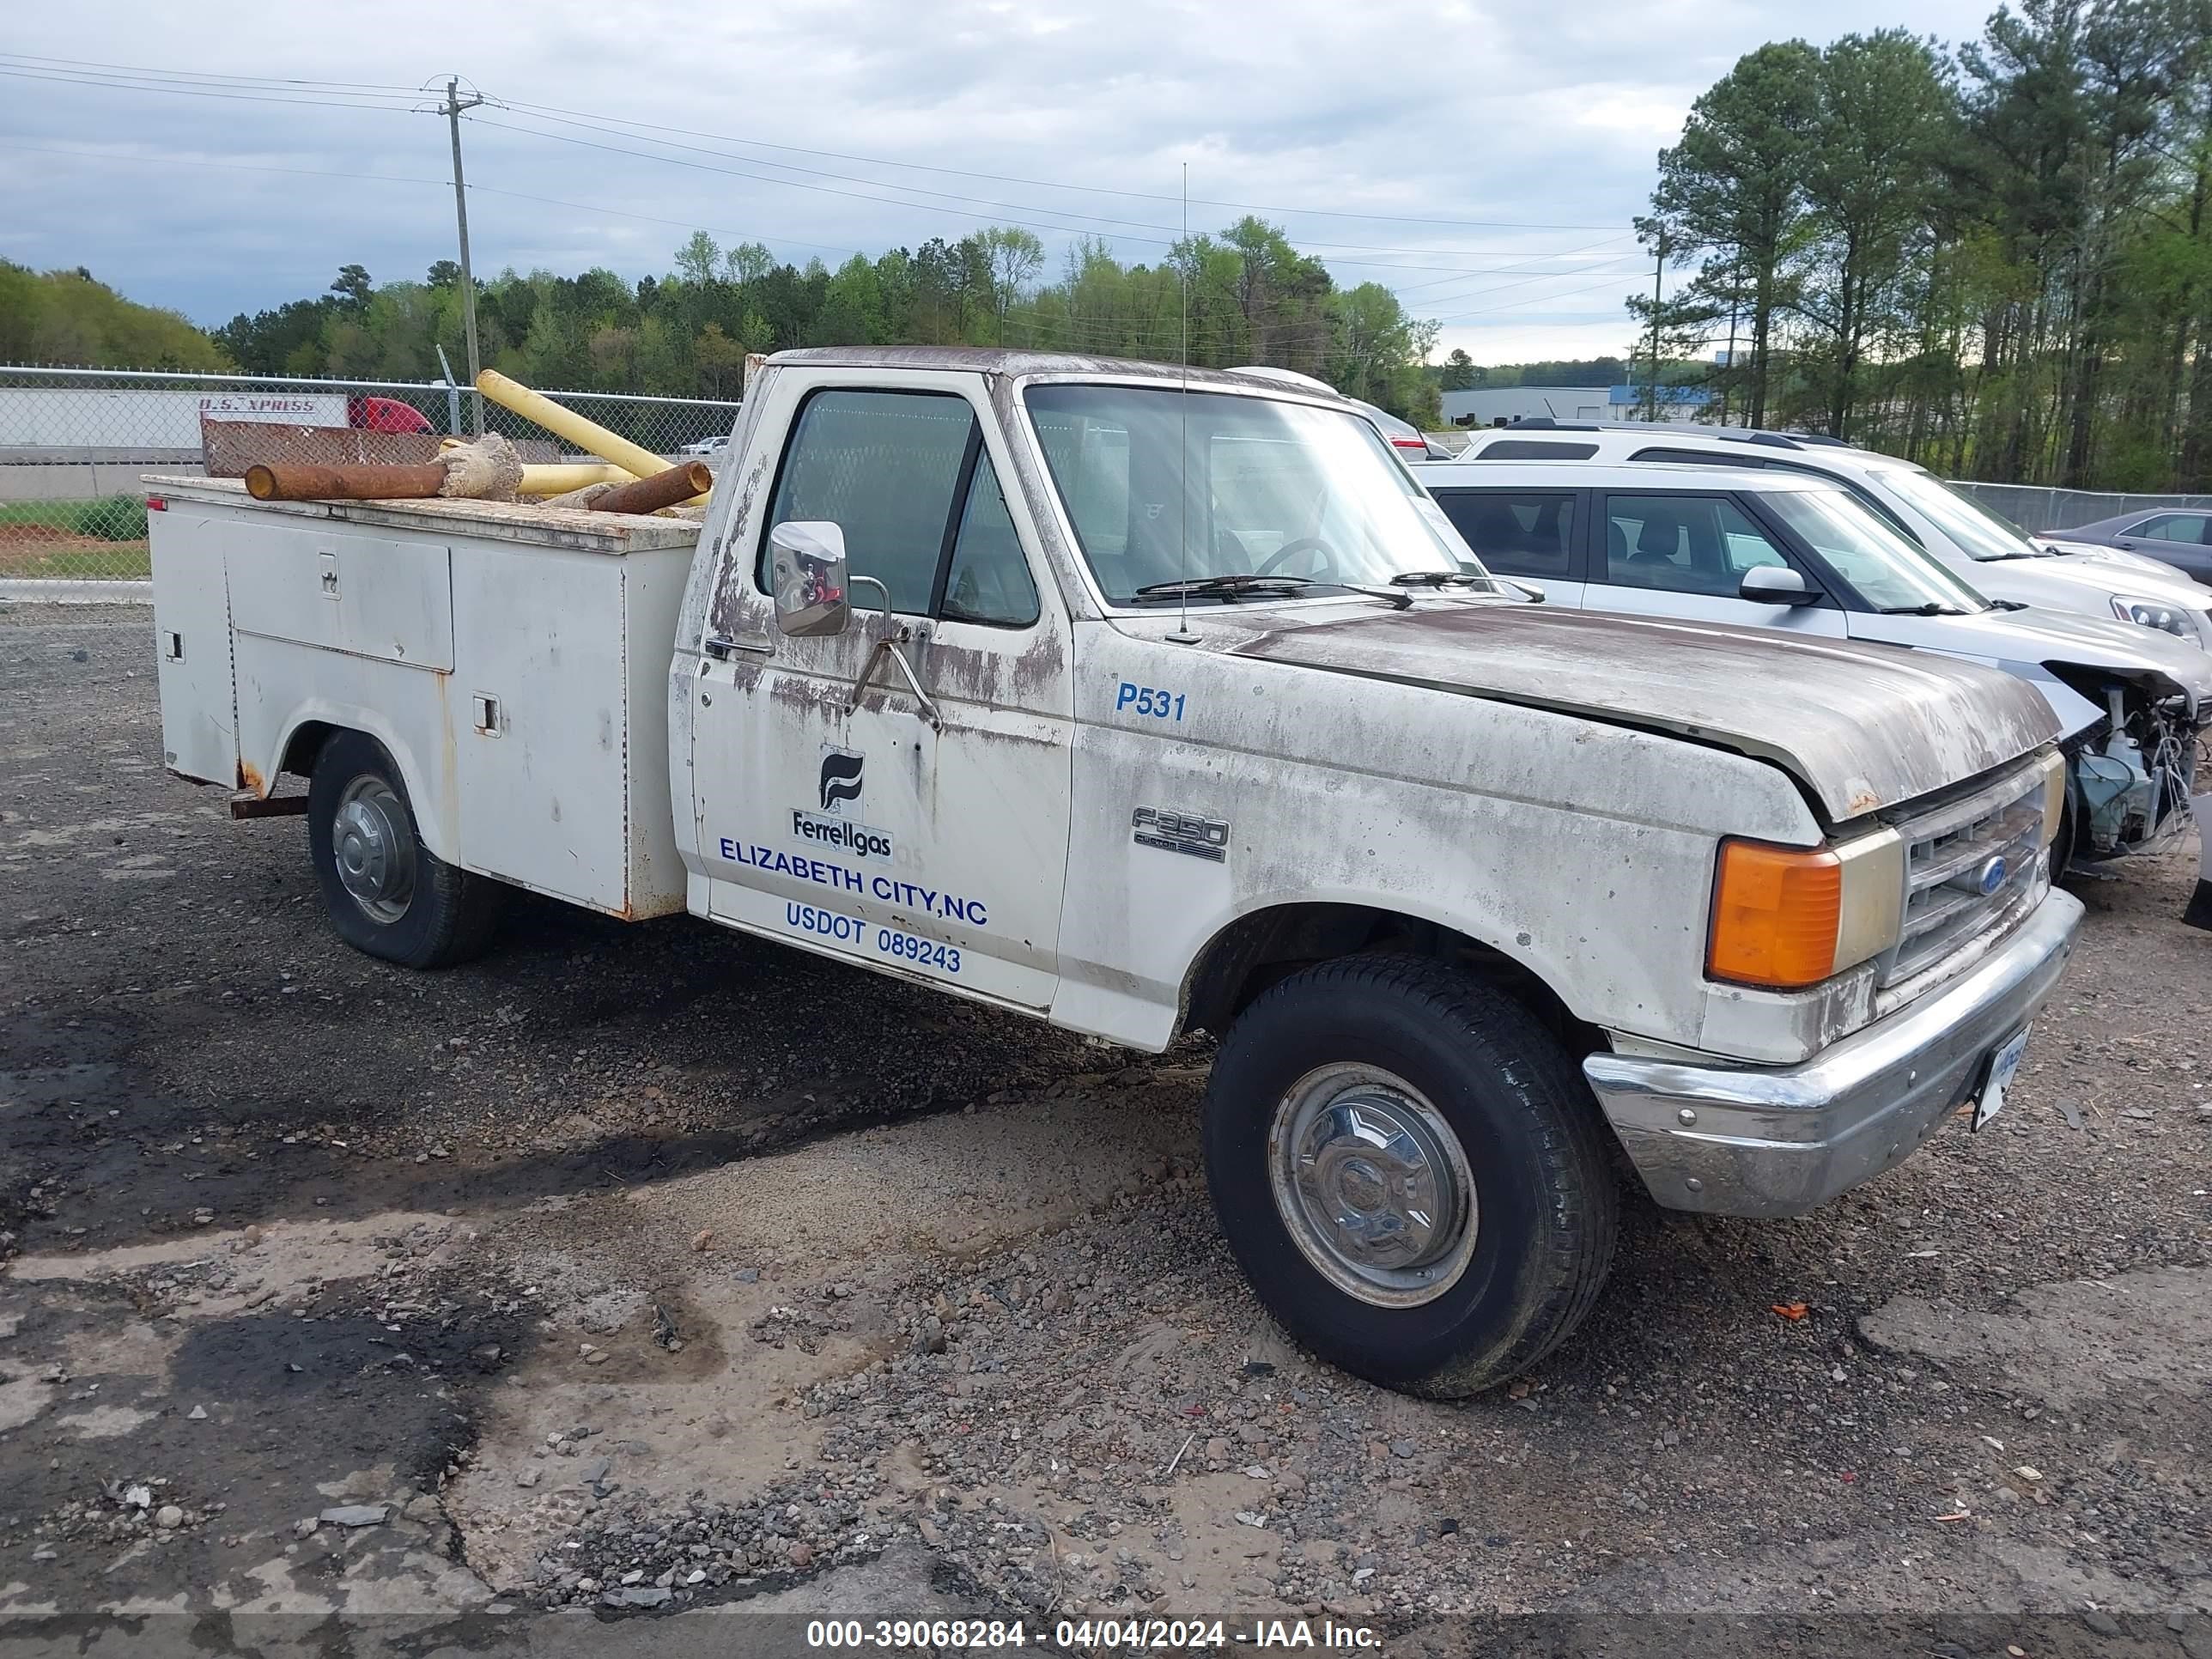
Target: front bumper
x,y
1771,1141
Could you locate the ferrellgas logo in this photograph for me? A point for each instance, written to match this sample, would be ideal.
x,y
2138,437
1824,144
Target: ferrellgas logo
x,y
841,777
861,840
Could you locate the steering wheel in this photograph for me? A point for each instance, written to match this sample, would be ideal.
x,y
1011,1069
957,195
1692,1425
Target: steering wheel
x,y
1303,544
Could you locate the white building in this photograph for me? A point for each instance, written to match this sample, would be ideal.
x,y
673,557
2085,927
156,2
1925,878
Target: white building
x,y
1503,405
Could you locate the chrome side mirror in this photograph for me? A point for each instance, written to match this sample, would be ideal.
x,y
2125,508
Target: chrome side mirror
x,y
806,570
1775,584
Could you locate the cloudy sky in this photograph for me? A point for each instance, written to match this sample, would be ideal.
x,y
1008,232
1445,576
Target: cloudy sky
x,y
1482,157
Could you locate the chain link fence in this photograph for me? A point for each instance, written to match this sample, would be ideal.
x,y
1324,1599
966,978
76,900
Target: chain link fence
x,y
2041,511
75,444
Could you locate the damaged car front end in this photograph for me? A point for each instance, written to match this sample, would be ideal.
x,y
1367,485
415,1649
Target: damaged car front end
x,y
2138,748
2134,770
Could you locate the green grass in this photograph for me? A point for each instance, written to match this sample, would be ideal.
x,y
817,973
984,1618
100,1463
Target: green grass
x,y
109,519
102,540
118,561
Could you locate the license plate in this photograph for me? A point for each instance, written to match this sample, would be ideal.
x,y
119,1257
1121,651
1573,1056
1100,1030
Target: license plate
x,y
2003,1065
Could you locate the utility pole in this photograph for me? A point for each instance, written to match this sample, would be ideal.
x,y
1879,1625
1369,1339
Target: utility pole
x,y
1658,276
456,101
1728,382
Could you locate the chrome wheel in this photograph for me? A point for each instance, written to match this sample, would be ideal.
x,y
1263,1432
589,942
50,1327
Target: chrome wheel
x,y
374,847
1373,1185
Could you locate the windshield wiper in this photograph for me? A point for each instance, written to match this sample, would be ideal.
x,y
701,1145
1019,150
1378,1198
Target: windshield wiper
x,y
1502,586
1227,587
1438,578
1932,608
1231,587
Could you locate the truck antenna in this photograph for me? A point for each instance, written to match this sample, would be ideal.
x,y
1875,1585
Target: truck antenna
x,y
1183,636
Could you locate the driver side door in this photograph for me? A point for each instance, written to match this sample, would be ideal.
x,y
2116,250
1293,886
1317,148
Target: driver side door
x,y
918,826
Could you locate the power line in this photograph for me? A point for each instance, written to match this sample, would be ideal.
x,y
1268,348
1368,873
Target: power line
x,y
475,189
615,131
326,102
368,95
139,78
228,166
1549,276
1047,184
793,184
1533,300
153,73
894,201
652,219
1109,331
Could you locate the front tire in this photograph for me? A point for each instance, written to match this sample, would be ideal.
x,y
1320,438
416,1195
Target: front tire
x,y
387,894
1411,1172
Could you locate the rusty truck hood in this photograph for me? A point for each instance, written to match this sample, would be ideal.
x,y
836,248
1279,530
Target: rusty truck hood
x,y
1863,727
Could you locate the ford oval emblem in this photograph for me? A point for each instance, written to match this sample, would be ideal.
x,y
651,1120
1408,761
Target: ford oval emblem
x,y
1991,877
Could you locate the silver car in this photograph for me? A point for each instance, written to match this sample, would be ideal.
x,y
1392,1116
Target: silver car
x,y
2180,537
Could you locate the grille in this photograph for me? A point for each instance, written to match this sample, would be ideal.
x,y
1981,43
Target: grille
x,y
1947,851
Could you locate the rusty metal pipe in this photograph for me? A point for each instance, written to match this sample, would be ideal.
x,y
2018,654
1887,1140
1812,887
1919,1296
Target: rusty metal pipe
x,y
247,804
669,488
298,481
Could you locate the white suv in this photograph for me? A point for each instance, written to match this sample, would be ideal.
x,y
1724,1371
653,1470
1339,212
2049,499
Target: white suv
x,y
1991,554
1803,555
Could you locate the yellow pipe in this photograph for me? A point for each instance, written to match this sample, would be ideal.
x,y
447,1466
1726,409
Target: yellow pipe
x,y
587,436
559,477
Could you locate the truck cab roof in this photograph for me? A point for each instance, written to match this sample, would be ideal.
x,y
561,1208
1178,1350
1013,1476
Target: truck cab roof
x,y
1016,361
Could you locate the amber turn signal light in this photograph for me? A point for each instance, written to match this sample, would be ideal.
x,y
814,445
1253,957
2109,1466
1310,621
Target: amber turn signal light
x,y
1777,912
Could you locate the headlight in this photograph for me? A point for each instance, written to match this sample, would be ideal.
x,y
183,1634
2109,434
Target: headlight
x,y
2157,613
1790,917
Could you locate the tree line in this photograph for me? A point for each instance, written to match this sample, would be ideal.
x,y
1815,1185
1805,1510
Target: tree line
x,y
1996,261
1253,298
69,317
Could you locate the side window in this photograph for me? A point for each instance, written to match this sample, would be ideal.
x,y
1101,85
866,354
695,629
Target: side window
x,y
1698,457
988,579
1530,449
884,467
1684,544
1516,532
2174,527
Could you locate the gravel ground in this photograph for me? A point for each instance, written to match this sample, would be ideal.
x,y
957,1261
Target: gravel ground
x,y
659,1272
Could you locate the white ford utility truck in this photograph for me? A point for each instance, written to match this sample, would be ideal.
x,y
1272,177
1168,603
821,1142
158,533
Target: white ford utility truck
x,y
1141,701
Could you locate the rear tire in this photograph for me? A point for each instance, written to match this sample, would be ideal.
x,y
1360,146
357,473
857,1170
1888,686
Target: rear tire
x,y
387,894
1411,1172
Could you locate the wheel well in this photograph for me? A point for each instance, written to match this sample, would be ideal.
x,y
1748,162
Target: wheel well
x,y
302,747
1254,951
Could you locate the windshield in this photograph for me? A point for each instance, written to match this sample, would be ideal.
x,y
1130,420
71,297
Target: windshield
x,y
1980,533
1164,486
1889,571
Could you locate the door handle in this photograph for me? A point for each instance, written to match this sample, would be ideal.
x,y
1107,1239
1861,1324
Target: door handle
x,y
722,648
